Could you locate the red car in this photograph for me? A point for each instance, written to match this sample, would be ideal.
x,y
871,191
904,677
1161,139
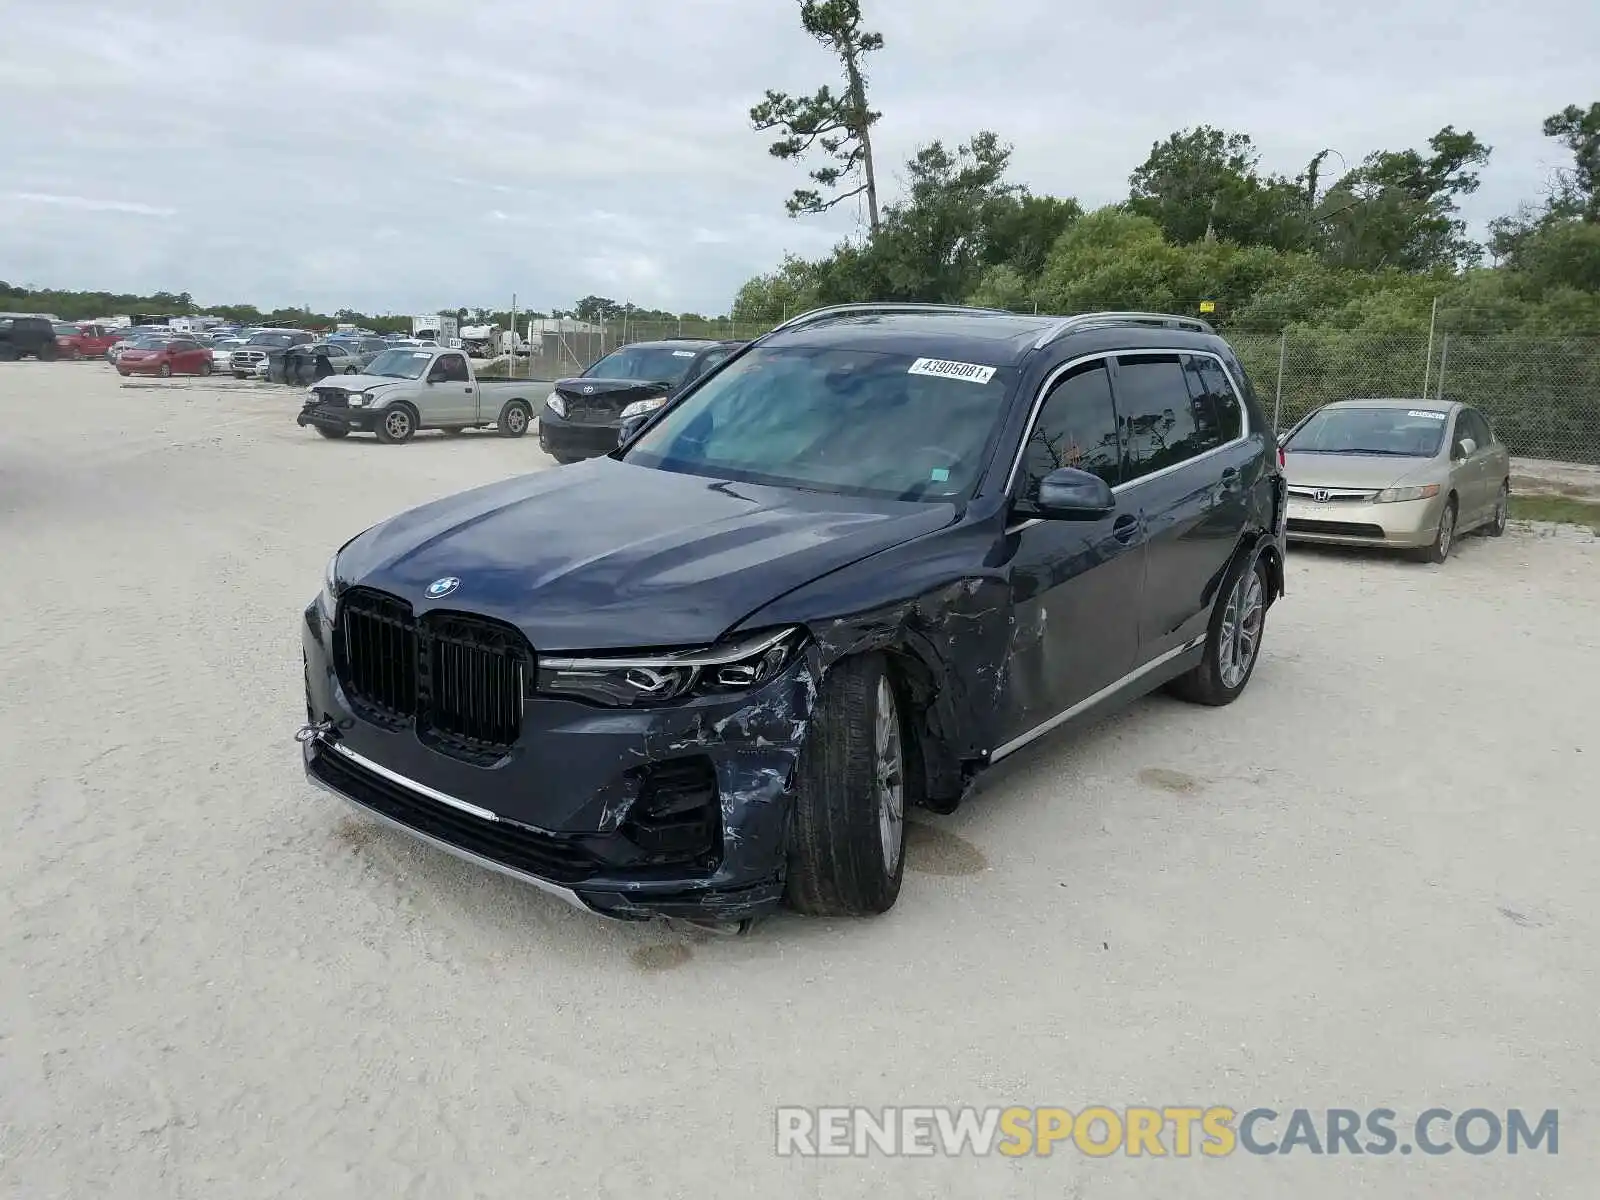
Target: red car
x,y
85,341
153,356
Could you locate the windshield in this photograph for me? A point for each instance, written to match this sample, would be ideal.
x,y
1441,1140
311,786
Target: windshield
x,y
67,331
150,343
649,364
1400,432
271,339
400,364
847,421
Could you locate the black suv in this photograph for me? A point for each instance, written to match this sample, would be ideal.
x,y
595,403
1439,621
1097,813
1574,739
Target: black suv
x,y
874,552
582,416
24,336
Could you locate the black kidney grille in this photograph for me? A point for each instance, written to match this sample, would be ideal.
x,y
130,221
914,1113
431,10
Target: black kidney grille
x,y
379,656
476,673
459,679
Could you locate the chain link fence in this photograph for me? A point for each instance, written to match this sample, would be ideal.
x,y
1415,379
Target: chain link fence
x,y
1541,393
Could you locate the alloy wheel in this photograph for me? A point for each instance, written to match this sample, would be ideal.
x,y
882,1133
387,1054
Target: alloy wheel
x,y
1239,638
889,776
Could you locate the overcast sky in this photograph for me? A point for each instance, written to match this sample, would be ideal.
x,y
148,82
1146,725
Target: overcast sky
x,y
394,155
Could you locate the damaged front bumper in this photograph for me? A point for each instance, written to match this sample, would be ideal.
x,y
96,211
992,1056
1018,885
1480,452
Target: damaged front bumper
x,y
329,416
679,811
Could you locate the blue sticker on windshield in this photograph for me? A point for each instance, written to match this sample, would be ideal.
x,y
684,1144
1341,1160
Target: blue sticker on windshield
x,y
939,475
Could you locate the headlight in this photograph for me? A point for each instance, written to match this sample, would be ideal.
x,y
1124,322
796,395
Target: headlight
x,y
632,680
330,583
556,404
1395,495
639,407
358,401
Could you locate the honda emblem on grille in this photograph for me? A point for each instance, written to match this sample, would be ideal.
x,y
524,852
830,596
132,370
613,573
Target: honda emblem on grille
x,y
1320,495
443,587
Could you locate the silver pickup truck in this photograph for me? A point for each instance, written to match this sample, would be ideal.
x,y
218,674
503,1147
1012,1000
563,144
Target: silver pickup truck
x,y
424,387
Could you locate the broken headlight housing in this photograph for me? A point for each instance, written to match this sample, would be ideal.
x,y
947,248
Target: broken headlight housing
x,y
627,680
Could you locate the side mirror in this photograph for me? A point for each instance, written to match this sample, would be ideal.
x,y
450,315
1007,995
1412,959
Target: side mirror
x,y
1069,494
1467,446
631,426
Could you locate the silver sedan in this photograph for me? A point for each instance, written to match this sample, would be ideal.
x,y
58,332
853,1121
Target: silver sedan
x,y
1407,474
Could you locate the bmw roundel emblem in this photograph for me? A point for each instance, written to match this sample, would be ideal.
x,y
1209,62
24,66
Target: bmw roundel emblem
x,y
443,587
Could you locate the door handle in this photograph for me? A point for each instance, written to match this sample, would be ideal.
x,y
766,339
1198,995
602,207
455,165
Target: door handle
x,y
1125,528
1230,478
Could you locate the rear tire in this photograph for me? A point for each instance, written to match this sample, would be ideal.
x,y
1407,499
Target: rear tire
x,y
1233,639
847,841
205,368
351,371
165,371
396,425
514,419
240,375
333,435
47,353
1502,511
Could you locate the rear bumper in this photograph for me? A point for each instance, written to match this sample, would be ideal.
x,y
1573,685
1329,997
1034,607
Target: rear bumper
x,y
566,439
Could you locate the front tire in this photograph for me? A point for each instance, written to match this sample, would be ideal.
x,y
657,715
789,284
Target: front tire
x,y
1502,511
1233,639
847,841
165,371
351,371
205,369
332,435
1444,540
240,375
514,419
396,425
48,353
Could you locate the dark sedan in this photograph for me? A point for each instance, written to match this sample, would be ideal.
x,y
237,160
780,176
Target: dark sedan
x,y
582,416
873,553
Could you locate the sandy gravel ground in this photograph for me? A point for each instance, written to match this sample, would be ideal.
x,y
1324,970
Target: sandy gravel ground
x,y
1372,882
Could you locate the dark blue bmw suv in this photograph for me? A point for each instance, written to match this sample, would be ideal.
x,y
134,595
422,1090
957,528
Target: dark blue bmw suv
x,y
860,560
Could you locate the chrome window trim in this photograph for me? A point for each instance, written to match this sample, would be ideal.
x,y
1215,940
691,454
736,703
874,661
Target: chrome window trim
x,y
1104,355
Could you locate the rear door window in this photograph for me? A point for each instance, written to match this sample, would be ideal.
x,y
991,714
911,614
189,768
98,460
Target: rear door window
x,y
1217,406
1157,411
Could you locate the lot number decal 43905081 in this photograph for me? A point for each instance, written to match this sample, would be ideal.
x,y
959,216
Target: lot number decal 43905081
x,y
945,369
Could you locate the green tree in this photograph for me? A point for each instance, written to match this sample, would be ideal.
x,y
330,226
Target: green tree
x,y
597,308
837,123
1398,208
1202,184
1578,188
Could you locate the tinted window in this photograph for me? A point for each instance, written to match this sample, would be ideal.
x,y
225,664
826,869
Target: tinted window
x,y
858,422
1077,427
1217,405
1159,428
183,344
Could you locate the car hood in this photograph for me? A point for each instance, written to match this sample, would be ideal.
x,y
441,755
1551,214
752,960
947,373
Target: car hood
x,y
1374,471
362,383
606,555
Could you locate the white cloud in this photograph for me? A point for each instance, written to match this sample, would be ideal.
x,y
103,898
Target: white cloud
x,y
89,204
366,155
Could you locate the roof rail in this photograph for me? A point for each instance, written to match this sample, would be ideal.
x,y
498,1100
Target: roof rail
x,y
1094,320
869,307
